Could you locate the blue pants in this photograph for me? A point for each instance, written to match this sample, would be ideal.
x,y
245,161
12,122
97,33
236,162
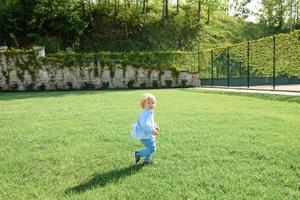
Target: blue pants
x,y
147,152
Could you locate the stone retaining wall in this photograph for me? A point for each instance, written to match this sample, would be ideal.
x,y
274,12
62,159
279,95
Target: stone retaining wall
x,y
21,72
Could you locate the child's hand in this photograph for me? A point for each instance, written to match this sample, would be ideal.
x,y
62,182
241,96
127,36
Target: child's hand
x,y
155,132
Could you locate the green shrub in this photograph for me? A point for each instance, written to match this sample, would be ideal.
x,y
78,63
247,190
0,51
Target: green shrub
x,y
130,84
14,87
155,84
105,85
168,83
56,86
70,85
143,85
29,87
51,44
42,87
183,83
87,85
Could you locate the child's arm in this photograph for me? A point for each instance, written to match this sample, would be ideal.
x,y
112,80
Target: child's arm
x,y
155,125
157,129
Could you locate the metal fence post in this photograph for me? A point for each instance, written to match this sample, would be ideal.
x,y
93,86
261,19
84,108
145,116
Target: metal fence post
x,y
274,60
248,64
198,57
212,68
228,63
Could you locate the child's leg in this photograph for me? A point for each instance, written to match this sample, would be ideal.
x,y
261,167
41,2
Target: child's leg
x,y
147,152
152,148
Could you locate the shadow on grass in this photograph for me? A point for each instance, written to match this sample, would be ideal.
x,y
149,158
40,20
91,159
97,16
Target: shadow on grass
x,y
100,180
272,97
7,96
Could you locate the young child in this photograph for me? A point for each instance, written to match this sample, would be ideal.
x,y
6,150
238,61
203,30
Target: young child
x,y
145,130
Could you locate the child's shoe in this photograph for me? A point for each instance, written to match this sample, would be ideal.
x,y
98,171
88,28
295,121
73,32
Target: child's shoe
x,y
136,158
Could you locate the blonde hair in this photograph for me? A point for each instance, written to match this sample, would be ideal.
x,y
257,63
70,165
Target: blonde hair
x,y
147,97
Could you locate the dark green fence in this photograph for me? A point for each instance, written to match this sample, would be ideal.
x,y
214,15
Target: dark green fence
x,y
269,61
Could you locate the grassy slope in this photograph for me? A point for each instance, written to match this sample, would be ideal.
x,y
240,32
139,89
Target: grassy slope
x,y
76,145
180,33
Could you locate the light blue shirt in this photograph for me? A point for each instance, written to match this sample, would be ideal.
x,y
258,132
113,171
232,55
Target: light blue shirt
x,y
144,127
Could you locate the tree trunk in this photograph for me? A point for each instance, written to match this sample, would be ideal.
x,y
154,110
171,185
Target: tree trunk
x,y
82,7
115,11
145,2
91,15
125,21
199,11
208,12
163,10
167,9
126,29
291,15
281,15
177,7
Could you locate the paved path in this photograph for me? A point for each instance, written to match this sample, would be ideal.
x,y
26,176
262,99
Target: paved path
x,y
252,90
285,88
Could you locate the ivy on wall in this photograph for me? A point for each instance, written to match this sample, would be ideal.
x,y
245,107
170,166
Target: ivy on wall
x,y
22,61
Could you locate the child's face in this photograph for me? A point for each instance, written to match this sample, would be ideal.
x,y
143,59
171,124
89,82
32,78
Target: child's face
x,y
150,105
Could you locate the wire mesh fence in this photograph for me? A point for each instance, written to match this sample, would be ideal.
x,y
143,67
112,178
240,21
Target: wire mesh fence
x,y
268,63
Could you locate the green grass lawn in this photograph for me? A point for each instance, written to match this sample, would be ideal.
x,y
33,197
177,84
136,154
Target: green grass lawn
x,y
77,145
